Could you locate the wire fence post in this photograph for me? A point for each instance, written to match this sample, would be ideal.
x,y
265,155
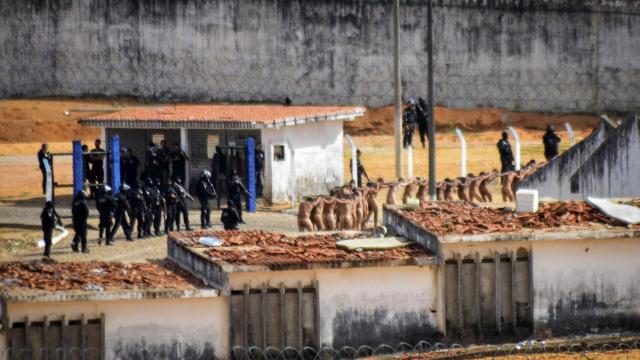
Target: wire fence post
x,y
514,133
572,135
410,161
463,153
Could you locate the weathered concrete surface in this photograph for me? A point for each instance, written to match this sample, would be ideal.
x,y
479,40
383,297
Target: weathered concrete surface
x,y
605,164
557,55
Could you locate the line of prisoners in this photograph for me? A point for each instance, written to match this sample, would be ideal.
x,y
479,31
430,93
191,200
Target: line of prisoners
x,y
350,208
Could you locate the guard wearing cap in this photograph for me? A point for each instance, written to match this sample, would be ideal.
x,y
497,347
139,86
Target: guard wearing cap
x,y
205,191
409,122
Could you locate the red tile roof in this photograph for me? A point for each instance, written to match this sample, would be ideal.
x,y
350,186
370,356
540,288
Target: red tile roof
x,y
252,115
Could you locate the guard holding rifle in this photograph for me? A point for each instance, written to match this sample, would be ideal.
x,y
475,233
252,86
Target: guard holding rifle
x,y
236,189
205,191
182,206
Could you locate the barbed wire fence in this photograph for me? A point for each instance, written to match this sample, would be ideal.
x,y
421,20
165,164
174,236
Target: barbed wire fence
x,y
613,349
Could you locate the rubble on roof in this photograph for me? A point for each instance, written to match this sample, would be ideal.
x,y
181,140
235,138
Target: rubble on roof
x,y
96,275
463,218
258,247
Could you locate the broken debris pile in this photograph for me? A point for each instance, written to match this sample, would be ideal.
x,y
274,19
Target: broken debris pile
x,y
463,218
273,249
95,276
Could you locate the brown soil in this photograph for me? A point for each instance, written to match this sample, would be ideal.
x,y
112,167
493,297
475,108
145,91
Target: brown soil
x,y
380,121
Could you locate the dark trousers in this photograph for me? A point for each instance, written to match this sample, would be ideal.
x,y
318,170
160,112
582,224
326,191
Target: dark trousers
x,y
182,208
47,233
105,226
121,220
156,211
205,212
237,201
148,221
408,136
80,236
171,218
44,180
138,218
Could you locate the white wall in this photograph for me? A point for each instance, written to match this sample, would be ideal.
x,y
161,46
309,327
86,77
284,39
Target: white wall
x,y
193,322
376,306
317,159
586,286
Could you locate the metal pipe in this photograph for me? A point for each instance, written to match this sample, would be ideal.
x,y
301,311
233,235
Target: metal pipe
x,y
396,87
430,99
463,153
410,162
517,139
572,135
354,161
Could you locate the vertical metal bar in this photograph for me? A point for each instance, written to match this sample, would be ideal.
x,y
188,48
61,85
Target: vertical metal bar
x,y
300,316
263,315
430,105
246,316
45,337
102,335
65,336
478,310
514,321
316,313
497,294
460,296
283,318
397,91
83,336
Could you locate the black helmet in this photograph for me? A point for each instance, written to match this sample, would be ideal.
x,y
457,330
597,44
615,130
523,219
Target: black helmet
x,y
550,128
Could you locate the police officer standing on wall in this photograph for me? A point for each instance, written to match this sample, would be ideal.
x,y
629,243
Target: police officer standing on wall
x,y
80,214
409,122
48,219
506,155
235,189
205,192
550,141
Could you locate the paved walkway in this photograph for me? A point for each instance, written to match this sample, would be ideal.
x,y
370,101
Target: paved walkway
x,y
24,216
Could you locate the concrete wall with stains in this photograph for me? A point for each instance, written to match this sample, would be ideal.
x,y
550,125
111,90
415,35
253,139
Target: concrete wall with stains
x,y
312,162
200,325
586,286
556,55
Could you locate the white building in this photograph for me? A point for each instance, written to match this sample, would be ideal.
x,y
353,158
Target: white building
x,y
303,145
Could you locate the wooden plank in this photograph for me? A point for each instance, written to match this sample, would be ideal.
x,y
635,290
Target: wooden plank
x,y
263,315
497,294
45,338
283,320
460,295
514,320
478,310
300,317
65,336
246,316
103,349
83,336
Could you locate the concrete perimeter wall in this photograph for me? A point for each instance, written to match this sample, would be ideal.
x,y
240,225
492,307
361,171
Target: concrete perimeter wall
x,y
556,55
586,286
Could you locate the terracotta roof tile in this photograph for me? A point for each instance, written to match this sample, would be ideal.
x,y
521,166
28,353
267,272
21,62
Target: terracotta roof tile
x,y
260,114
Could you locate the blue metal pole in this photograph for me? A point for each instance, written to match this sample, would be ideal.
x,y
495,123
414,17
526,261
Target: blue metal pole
x,y
78,176
114,159
251,174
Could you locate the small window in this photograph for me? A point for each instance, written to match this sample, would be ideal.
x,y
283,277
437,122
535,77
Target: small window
x,y
212,142
156,138
278,152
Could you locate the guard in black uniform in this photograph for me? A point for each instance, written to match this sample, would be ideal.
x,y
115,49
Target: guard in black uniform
x,y
409,122
205,192
44,155
80,214
182,207
139,208
550,141
157,205
48,218
230,217
123,210
236,188
506,155
106,205
171,200
147,191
